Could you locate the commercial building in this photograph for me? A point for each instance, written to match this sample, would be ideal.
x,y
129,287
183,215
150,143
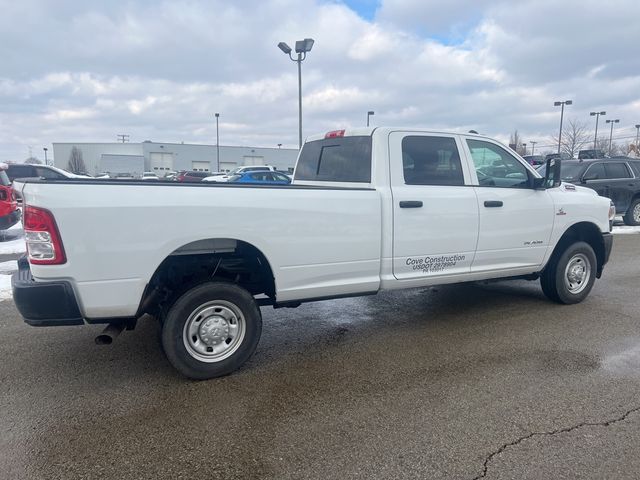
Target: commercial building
x,y
162,158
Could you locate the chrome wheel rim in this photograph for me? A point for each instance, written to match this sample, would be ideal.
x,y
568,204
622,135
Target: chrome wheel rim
x,y
214,331
577,273
636,213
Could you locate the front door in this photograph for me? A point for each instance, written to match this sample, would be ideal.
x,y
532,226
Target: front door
x,y
435,211
515,220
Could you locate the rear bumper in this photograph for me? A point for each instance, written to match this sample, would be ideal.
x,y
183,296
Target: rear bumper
x,y
10,220
44,304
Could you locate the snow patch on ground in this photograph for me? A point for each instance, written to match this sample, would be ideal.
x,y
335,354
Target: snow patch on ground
x,y
11,244
7,268
625,229
5,287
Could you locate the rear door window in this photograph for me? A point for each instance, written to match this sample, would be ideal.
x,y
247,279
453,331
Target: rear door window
x,y
617,170
342,159
431,161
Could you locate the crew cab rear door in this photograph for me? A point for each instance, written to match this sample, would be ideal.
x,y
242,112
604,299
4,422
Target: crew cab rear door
x,y
435,211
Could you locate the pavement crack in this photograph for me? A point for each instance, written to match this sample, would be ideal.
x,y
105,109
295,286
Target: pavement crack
x,y
505,446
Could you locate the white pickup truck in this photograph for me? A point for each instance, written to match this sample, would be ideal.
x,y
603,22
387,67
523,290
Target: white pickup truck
x,y
369,209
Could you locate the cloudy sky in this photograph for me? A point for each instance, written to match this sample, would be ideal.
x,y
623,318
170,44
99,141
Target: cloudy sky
x,y
76,70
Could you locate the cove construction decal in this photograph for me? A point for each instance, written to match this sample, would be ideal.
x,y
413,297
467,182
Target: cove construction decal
x,y
434,264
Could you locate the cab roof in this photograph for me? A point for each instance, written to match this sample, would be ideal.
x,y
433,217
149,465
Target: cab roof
x,y
368,131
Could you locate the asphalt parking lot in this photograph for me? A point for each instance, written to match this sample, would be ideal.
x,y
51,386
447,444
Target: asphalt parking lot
x,y
470,381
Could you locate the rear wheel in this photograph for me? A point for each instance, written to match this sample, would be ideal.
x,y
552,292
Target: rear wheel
x,y
570,276
211,330
632,217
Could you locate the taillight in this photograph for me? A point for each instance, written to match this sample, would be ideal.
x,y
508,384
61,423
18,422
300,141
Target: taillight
x,y
44,245
335,134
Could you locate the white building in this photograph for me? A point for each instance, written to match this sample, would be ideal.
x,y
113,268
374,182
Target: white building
x,y
165,157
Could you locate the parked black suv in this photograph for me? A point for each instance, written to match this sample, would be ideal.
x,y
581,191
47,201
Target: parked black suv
x,y
615,178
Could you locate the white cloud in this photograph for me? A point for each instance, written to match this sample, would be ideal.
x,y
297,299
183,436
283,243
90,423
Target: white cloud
x,y
159,70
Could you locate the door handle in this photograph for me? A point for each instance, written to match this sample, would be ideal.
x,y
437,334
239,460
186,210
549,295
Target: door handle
x,y
493,203
411,204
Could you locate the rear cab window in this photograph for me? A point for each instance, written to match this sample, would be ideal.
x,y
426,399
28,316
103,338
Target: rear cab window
x,y
341,159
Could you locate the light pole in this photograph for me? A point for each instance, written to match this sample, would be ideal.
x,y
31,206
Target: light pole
x,y
637,144
557,104
45,155
217,143
302,48
617,120
524,145
533,146
595,137
369,113
279,146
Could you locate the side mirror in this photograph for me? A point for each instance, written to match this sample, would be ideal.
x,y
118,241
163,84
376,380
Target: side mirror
x,y
552,173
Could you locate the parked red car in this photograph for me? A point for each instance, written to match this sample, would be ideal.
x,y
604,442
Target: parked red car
x,y
191,176
9,213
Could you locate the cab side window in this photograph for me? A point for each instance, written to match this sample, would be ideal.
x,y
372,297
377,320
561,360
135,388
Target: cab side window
x,y
595,172
431,161
48,174
616,170
496,167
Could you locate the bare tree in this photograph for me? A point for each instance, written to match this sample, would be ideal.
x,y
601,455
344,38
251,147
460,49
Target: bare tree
x,y
33,160
515,142
574,138
76,162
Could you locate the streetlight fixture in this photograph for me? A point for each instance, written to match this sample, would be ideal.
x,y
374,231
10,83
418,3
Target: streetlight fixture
x,y
533,146
369,113
302,48
617,120
46,162
279,146
557,104
595,137
217,142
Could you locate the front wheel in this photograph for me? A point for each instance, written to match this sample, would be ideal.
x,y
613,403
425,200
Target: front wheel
x,y
570,276
632,217
211,330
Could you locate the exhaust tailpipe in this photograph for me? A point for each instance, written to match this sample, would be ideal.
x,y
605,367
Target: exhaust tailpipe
x,y
110,333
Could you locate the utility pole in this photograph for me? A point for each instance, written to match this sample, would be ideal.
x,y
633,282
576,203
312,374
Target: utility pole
x,y
302,48
595,137
533,146
122,137
217,143
557,104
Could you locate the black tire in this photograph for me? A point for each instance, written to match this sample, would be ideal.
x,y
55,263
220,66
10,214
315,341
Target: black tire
x,y
629,216
198,308
560,287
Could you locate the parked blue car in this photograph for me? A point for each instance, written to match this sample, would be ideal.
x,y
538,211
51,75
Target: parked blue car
x,y
270,178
